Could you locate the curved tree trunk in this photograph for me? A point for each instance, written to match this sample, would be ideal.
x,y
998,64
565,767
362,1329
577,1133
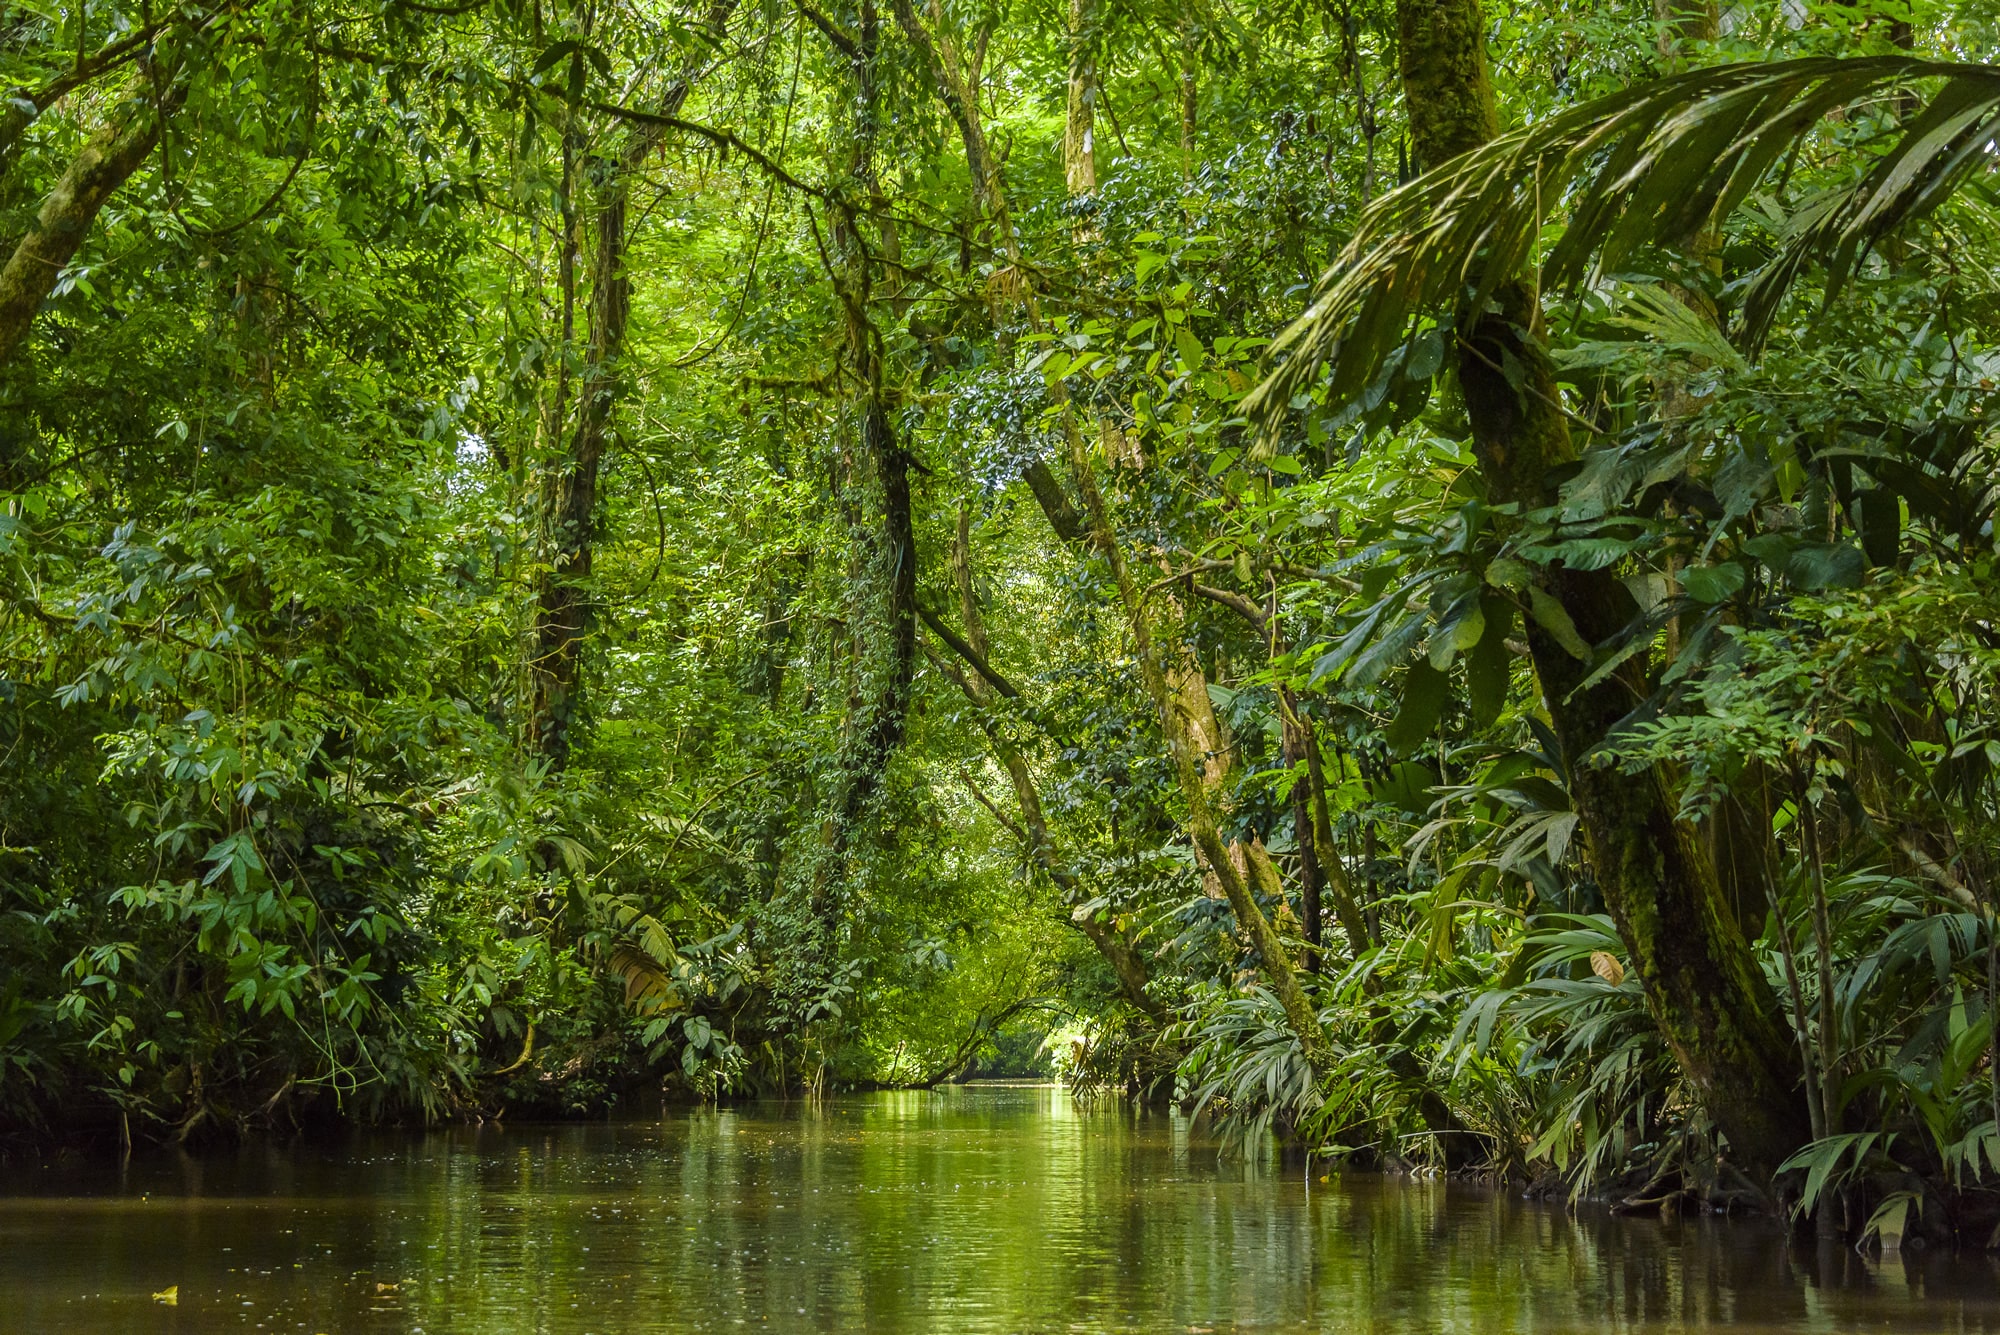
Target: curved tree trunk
x,y
1162,660
1702,984
107,161
1173,682
1110,942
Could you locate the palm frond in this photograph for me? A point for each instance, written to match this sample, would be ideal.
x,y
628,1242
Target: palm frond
x,y
1651,165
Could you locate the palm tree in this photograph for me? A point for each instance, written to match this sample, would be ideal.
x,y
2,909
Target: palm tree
x,y
1649,166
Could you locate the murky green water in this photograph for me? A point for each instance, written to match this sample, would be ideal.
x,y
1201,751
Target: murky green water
x,y
982,1209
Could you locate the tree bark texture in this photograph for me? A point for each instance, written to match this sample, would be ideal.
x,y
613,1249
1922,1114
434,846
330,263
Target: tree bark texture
x,y
107,160
1702,984
1080,120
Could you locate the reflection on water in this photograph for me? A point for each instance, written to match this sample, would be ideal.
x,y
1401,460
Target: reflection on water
x,y
980,1209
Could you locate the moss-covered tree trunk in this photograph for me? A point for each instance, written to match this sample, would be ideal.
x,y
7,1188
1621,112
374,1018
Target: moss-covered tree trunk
x,y
106,161
1703,986
883,563
1161,649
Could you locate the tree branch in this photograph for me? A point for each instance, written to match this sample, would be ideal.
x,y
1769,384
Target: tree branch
x,y
847,45
998,814
968,653
1063,517
1236,602
727,139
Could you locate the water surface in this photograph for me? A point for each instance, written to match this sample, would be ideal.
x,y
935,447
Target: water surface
x,y
980,1209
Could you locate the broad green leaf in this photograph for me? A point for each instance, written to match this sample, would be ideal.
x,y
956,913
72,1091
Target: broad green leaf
x,y
1554,618
1424,692
1713,584
1489,665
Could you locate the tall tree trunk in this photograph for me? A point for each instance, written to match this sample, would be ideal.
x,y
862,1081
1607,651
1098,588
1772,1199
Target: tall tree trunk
x,y
1738,828
1320,867
884,583
562,610
1080,122
1080,179
1703,987
562,618
1294,742
1173,680
1190,93
1339,885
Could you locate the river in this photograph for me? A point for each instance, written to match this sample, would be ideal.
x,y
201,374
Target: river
x,y
977,1209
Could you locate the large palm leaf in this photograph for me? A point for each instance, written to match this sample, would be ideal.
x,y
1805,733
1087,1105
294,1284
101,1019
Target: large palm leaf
x,y
1650,165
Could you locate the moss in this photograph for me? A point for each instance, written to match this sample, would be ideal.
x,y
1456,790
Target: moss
x,y
1445,85
1701,983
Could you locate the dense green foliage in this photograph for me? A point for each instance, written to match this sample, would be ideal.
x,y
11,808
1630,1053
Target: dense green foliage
x,y
548,549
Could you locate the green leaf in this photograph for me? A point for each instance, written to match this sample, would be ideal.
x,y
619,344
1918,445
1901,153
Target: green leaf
x,y
1651,164
1878,515
1489,665
1890,1219
582,58
1350,644
1773,549
1713,584
1407,787
1826,565
557,51
1386,652
1425,357
1507,573
1424,692
1461,631
1189,349
1554,618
